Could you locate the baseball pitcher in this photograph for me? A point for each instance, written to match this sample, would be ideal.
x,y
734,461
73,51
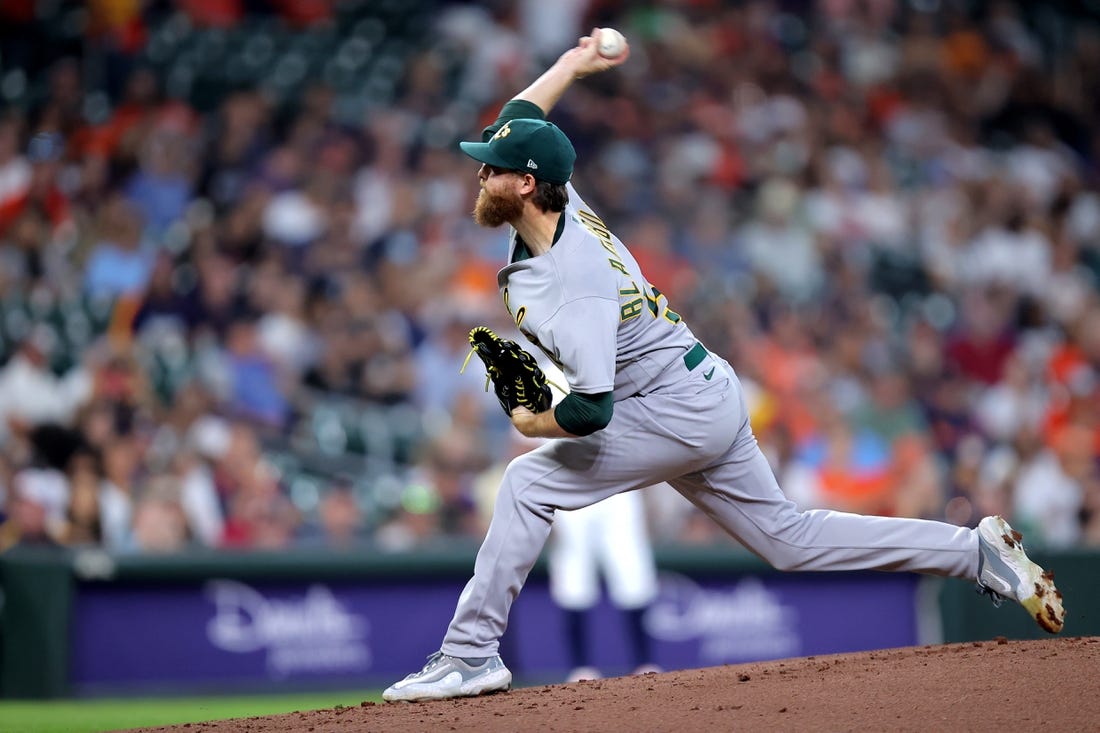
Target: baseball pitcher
x,y
647,403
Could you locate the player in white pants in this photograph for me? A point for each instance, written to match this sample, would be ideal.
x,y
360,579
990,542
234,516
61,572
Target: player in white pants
x,y
609,540
647,403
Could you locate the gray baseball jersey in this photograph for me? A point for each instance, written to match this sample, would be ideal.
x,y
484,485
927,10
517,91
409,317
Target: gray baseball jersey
x,y
587,305
679,416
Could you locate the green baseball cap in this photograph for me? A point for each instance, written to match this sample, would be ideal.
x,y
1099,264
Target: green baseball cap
x,y
532,146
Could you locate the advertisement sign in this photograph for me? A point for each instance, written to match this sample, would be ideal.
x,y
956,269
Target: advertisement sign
x,y
702,622
224,633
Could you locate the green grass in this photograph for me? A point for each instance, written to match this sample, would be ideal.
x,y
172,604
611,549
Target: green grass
x,y
94,716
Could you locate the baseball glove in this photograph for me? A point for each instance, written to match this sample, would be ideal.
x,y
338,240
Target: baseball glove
x,y
516,377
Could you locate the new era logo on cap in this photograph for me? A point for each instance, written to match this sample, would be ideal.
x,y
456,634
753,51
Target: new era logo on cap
x,y
527,144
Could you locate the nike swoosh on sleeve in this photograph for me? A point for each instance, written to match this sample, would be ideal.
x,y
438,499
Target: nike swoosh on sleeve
x,y
709,374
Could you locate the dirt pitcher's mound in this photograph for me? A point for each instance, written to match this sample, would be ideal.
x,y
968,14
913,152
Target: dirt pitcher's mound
x,y
981,686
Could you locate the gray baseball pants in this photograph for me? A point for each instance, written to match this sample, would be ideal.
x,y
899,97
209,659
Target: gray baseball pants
x,y
693,433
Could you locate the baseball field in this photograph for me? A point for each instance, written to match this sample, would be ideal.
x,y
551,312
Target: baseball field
x,y
92,716
992,685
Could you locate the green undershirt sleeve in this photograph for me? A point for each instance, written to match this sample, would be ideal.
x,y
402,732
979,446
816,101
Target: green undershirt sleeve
x,y
513,110
584,414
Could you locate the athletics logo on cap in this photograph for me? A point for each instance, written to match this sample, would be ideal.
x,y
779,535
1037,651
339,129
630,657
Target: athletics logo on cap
x,y
527,144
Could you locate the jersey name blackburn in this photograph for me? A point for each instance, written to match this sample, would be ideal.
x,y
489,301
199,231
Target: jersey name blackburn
x,y
638,296
534,289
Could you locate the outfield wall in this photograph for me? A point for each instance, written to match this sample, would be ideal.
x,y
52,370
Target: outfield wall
x,y
87,623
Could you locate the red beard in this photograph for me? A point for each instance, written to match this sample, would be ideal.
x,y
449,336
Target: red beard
x,y
492,210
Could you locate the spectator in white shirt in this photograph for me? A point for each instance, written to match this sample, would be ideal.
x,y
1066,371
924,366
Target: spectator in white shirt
x,y
31,394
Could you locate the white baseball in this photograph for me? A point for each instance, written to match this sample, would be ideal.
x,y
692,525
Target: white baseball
x,y
612,43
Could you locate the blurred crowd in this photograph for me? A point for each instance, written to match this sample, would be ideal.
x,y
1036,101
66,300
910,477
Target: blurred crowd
x,y
243,326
